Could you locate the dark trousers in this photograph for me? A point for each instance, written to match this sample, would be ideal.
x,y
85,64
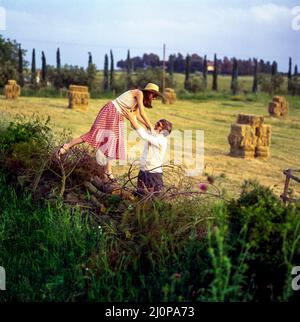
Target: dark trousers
x,y
149,182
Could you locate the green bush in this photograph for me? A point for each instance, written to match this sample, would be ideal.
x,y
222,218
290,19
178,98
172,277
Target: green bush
x,y
262,219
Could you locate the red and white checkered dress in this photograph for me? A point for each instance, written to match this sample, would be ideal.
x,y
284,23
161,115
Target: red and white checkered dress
x,y
107,133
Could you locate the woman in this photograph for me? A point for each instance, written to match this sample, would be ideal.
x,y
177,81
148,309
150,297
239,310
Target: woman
x,y
107,132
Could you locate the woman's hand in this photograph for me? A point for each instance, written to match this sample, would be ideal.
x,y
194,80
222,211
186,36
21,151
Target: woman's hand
x,y
127,114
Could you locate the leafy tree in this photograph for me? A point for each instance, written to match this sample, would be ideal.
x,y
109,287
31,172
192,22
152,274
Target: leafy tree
x,y
69,75
215,74
154,75
106,74
9,60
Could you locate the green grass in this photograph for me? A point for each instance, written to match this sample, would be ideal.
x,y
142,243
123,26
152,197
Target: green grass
x,y
160,252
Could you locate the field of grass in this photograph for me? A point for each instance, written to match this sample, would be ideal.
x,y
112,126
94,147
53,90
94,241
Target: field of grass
x,y
214,117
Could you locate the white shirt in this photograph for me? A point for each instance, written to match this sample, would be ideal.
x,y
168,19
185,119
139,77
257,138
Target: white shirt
x,y
154,151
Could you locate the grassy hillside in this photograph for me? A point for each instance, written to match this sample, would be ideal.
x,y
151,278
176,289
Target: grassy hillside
x,y
214,117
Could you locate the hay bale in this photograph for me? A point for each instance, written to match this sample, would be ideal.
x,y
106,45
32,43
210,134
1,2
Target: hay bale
x,y
12,90
242,140
249,137
279,107
78,97
263,134
262,152
169,96
12,82
252,120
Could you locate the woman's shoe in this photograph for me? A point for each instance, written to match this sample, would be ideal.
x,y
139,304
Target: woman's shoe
x,y
110,178
62,150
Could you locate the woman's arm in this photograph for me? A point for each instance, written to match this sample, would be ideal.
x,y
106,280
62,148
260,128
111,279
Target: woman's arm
x,y
139,97
140,119
154,140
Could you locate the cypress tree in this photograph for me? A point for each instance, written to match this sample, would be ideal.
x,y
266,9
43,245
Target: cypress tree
x,y
290,76
20,67
128,63
262,66
294,82
171,69
58,61
106,74
112,71
90,59
205,72
58,83
91,72
234,77
215,74
44,69
33,69
274,68
255,70
187,73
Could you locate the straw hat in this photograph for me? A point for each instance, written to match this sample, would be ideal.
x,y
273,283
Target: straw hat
x,y
150,87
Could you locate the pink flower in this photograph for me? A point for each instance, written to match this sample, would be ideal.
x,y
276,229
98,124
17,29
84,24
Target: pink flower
x,y
202,187
176,276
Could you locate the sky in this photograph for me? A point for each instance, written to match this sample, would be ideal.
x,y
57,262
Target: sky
x,y
243,29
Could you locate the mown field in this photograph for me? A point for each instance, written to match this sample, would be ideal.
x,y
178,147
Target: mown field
x,y
213,116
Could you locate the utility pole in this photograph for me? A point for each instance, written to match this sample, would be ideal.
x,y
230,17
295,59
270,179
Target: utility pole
x,y
164,70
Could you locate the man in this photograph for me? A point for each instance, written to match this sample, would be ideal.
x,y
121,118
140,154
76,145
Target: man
x,y
150,178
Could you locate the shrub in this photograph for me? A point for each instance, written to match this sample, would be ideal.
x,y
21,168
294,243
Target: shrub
x,y
261,217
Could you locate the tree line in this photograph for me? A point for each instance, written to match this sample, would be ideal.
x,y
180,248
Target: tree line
x,y
177,64
139,70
